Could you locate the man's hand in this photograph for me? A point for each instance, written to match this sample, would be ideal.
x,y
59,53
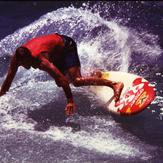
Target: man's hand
x,y
10,76
72,119
70,108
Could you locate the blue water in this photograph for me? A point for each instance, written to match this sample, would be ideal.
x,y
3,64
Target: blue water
x,y
111,36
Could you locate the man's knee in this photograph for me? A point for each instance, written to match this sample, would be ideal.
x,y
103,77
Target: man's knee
x,y
76,82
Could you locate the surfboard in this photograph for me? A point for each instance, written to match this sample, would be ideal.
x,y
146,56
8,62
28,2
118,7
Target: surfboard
x,y
136,95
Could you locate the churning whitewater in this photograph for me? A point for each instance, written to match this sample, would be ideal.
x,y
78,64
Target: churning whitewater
x,y
102,44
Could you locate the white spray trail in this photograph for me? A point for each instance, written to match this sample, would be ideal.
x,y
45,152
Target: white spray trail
x,y
102,44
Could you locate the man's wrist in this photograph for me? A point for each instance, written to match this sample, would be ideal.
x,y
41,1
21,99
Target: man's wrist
x,y
70,100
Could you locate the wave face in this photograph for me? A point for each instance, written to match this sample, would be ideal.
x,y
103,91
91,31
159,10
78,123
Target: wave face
x,y
102,44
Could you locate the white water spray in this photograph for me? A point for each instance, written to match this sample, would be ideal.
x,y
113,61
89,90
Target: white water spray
x,y
102,44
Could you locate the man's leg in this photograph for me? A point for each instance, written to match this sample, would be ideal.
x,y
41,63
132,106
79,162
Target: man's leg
x,y
78,80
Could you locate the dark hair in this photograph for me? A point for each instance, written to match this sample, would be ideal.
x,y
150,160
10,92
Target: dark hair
x,y
22,52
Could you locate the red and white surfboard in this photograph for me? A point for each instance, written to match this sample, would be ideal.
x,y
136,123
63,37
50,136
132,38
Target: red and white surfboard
x,y
136,95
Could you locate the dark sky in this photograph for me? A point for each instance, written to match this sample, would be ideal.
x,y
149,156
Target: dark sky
x,y
17,14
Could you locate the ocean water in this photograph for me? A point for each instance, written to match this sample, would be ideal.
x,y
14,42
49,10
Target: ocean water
x,y
110,36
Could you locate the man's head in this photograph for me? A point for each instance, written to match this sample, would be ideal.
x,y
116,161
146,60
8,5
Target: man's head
x,y
24,57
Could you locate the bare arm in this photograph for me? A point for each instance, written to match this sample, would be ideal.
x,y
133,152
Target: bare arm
x,y
10,76
57,75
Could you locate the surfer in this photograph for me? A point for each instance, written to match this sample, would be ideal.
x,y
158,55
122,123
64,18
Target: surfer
x,y
57,55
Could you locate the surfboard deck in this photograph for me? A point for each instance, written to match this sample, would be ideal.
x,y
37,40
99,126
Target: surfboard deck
x,y
136,95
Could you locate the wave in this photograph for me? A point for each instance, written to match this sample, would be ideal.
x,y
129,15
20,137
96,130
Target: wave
x,y
102,44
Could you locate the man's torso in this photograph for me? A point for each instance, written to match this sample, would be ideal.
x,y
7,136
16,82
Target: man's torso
x,y
52,43
60,50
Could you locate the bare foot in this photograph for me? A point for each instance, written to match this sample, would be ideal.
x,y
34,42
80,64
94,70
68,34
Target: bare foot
x,y
117,90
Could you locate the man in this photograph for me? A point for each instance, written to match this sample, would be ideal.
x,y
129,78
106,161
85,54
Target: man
x,y
57,55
